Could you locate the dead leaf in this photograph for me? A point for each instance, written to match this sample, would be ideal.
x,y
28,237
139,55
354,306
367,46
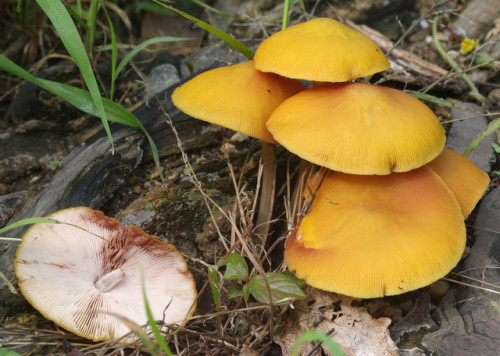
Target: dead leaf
x,y
351,327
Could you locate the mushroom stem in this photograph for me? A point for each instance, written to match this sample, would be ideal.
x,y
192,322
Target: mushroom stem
x,y
267,190
108,281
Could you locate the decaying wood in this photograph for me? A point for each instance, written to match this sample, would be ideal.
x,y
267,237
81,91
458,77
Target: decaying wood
x,y
408,68
415,322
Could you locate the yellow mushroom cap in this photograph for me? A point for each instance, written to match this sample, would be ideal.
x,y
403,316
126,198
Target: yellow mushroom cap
x,y
358,128
371,236
238,97
464,178
321,49
86,273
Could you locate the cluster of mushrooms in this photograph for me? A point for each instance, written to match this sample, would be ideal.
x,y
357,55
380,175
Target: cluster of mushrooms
x,y
388,211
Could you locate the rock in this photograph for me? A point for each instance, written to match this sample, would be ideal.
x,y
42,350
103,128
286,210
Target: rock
x,y
213,56
477,18
161,77
464,131
31,101
139,219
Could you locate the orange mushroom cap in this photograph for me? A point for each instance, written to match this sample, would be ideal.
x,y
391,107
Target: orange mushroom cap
x,y
238,97
464,178
86,273
358,128
371,236
321,49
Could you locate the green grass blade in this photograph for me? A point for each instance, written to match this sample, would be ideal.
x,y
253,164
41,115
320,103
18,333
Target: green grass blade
x,y
82,99
12,289
66,29
210,8
152,323
233,42
143,45
114,54
491,128
27,221
91,22
6,352
314,335
431,98
286,14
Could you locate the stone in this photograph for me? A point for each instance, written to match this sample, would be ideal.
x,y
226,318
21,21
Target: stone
x,y
161,77
464,131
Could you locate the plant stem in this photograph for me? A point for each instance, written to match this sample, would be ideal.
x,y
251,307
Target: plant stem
x,y
267,189
492,127
286,11
454,65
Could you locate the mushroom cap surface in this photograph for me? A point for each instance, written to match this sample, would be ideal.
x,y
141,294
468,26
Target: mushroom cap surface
x,y
320,49
238,97
358,128
465,179
372,236
83,275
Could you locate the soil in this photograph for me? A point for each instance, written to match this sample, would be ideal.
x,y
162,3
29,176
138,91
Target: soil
x,y
51,154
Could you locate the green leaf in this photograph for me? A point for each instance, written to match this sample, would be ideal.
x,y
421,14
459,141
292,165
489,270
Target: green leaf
x,y
314,335
496,147
233,42
66,29
235,290
300,282
214,284
236,267
246,292
281,285
5,352
82,99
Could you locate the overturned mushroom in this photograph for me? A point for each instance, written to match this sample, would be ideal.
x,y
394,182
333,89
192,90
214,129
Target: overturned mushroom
x,y
85,271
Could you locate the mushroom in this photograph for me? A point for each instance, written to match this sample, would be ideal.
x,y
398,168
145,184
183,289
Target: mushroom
x,y
322,50
241,98
237,97
88,269
358,128
464,178
372,236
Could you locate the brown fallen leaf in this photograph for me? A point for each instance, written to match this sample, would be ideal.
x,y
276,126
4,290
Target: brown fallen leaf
x,y
350,326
